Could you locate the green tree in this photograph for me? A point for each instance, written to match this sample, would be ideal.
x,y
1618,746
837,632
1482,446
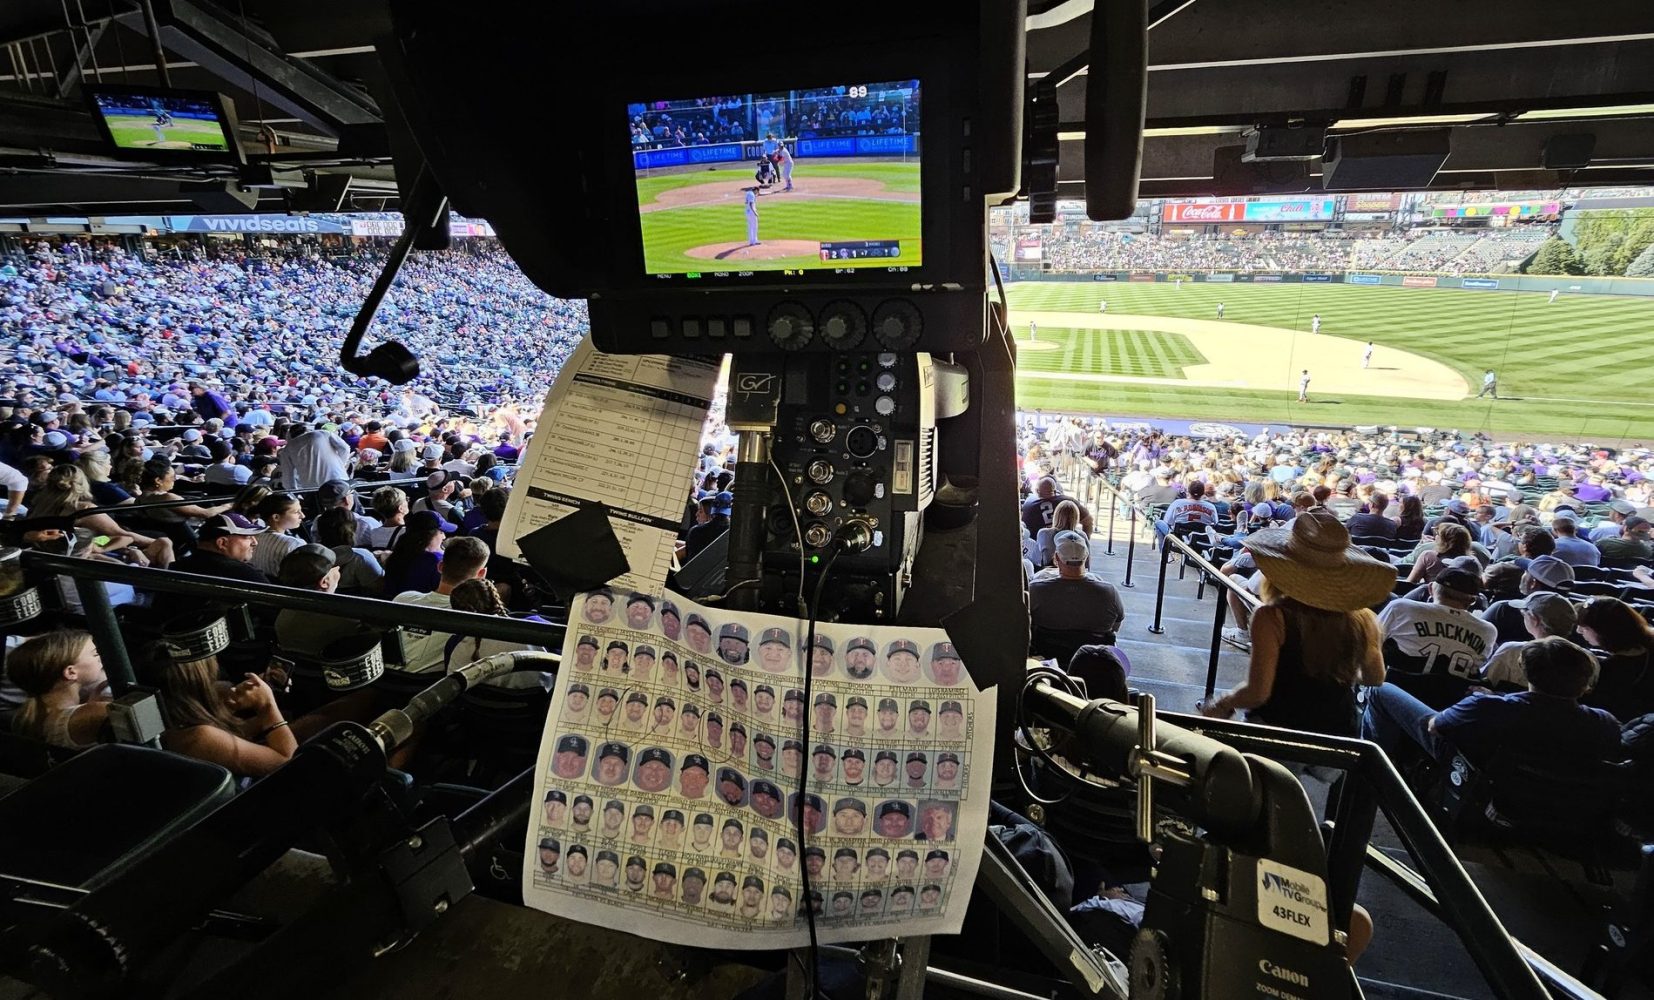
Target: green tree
x,y
1636,242
1643,266
1555,256
1603,256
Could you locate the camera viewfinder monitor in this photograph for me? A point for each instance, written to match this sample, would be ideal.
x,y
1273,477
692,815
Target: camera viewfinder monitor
x,y
151,123
808,183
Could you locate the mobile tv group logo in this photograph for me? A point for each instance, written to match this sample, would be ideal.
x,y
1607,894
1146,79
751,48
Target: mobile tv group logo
x,y
1294,891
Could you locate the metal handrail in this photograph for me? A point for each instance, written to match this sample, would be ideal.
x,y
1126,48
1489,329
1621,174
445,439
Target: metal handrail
x,y
208,500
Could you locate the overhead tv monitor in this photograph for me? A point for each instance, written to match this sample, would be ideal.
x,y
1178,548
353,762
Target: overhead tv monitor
x,y
821,179
154,123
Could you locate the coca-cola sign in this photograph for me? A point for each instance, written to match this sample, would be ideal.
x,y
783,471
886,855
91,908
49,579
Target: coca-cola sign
x,y
1205,212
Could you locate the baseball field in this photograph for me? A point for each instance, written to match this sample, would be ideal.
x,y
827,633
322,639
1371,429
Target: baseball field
x,y
1577,368
138,132
694,218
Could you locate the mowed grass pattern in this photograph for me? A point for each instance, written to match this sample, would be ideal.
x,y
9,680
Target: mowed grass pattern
x,y
668,233
1576,368
1142,353
139,130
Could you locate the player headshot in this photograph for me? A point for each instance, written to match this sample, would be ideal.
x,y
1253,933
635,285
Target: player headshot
x,y
946,668
732,786
654,770
845,864
792,705
752,897
889,719
699,634
714,731
599,606
665,881
815,861
815,812
884,768
918,718
614,818
763,701
901,899
714,686
792,756
643,824
700,835
936,864
849,817
689,720
669,668
692,778
844,904
894,819
907,864
636,715
826,708
585,653
775,651
936,820
901,662
859,658
665,714
763,751
640,611
671,623
551,855
823,761
671,830
766,799
872,901
786,855
606,873
580,813
821,657
855,716
917,764
723,891
635,867
781,904
732,643
876,865
930,897
738,694
729,839
607,700
575,862
614,658
737,740
643,664
952,721
758,843
569,759
612,762
854,762
556,807
576,701
694,885
947,769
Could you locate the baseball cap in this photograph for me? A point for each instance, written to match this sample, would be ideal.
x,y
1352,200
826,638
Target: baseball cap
x,y
226,525
1071,548
306,565
192,435
428,520
1622,507
1551,571
724,503
56,439
1554,611
331,492
1460,581
1458,506
442,477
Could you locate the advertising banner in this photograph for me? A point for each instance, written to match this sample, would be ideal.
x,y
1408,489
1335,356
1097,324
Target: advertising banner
x,y
1371,203
1419,281
392,228
1110,276
1266,277
1029,248
1366,216
1363,279
649,159
1202,212
1519,209
1317,277
1294,210
1223,277
1142,277
251,224
1243,276
1480,283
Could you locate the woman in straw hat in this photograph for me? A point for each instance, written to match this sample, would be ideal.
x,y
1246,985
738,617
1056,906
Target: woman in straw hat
x,y
1315,637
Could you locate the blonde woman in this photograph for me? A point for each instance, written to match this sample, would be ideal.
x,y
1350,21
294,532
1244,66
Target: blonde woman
x,y
66,494
63,676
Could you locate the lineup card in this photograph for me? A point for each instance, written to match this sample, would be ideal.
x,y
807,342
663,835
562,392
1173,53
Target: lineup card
x,y
622,431
668,777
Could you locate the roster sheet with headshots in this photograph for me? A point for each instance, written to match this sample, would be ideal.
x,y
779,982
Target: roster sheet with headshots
x,y
668,795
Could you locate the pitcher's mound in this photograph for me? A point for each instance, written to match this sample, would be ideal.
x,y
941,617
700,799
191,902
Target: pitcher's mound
x,y
767,250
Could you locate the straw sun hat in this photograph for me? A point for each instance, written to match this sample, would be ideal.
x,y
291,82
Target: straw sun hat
x,y
1312,562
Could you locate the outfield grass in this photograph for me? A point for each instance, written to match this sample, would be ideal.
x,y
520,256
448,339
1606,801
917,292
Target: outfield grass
x,y
138,131
1578,367
1142,353
668,233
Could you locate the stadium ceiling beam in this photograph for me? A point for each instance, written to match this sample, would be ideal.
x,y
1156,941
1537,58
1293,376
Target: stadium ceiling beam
x,y
43,194
214,40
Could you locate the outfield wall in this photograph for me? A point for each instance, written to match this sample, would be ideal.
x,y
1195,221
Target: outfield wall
x,y
1573,284
751,149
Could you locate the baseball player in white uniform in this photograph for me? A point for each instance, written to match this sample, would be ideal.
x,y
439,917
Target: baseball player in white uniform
x,y
1220,310
752,216
1315,323
1102,306
1554,293
1033,331
786,166
1303,387
1367,355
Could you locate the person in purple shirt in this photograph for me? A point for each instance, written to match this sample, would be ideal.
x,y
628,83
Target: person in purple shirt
x,y
209,404
506,451
1592,490
1545,720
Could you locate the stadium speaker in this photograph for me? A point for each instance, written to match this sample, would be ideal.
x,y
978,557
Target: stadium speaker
x,y
1116,98
1232,175
1568,152
1390,160
220,197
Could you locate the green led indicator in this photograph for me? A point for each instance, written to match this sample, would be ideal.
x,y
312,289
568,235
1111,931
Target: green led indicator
x,y
814,560
694,274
